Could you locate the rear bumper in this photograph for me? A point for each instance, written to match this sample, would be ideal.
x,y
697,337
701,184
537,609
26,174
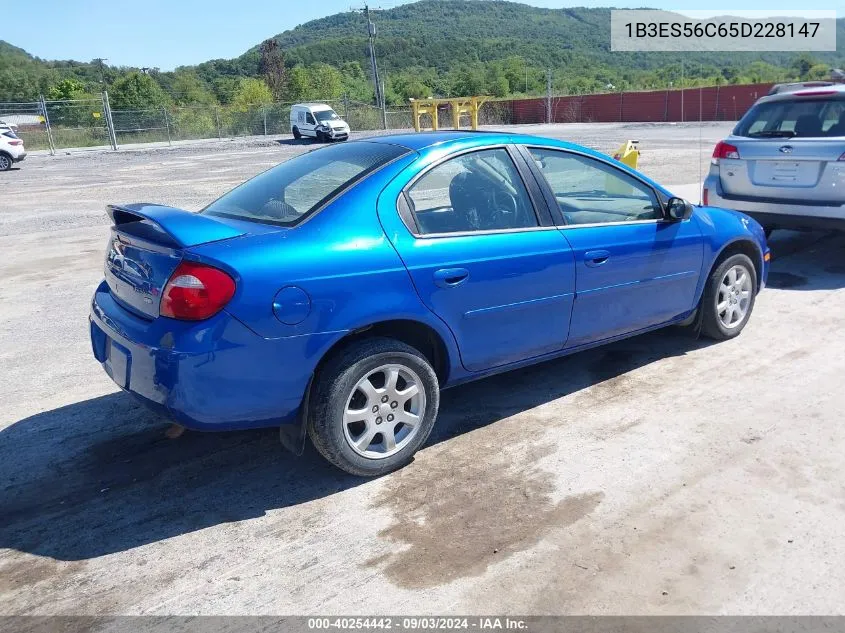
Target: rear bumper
x,y
209,375
778,214
19,157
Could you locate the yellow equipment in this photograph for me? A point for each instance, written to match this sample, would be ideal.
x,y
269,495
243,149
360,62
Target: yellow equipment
x,y
628,153
460,105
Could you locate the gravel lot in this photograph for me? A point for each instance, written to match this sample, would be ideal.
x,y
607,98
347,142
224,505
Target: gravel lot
x,y
659,475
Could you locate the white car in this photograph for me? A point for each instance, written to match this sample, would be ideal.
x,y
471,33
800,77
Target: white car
x,y
11,148
319,121
784,162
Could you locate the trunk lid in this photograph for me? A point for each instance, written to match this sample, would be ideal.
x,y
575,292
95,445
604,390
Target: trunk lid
x,y
785,168
147,243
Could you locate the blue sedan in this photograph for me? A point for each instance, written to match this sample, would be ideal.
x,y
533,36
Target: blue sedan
x,y
336,294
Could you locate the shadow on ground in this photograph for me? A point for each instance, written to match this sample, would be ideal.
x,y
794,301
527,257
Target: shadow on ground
x,y
99,477
807,261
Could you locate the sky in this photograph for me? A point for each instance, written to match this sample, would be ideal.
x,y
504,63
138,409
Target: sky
x,y
168,33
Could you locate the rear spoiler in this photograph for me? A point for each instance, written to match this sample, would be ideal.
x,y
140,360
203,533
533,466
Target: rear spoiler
x,y
174,227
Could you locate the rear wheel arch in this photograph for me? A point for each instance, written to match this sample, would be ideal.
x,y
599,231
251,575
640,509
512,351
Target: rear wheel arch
x,y
421,336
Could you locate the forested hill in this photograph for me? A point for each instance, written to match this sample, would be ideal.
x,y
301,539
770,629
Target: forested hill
x,y
431,47
439,33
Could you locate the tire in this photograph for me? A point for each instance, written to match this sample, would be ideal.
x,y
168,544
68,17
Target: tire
x,y
726,286
5,162
356,380
321,138
296,134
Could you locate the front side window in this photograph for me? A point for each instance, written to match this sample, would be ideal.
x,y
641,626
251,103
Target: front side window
x,y
288,192
589,191
480,191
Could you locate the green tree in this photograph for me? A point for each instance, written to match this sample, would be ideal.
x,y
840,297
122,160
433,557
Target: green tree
x,y
298,84
137,91
188,89
251,92
326,81
66,90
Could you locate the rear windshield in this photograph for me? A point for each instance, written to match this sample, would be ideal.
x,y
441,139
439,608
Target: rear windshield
x,y
287,193
794,118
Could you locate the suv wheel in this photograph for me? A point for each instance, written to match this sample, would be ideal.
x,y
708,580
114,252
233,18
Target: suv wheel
x,y
5,162
373,407
729,298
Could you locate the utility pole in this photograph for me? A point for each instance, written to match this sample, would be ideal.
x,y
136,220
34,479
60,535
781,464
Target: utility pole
x,y
548,95
99,61
371,36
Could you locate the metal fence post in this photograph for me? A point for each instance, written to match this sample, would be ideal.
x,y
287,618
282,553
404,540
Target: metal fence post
x,y
167,125
264,114
383,108
46,115
346,107
217,118
109,123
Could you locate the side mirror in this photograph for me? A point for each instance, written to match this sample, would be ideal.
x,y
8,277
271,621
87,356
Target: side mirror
x,y
678,209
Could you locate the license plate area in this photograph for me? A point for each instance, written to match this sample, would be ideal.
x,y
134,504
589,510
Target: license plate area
x,y
786,173
117,363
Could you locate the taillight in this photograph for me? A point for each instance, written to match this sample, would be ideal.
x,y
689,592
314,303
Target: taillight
x,y
195,292
724,150
15,141
705,194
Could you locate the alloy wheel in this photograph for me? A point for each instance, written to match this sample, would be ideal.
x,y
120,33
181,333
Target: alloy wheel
x,y
384,411
734,296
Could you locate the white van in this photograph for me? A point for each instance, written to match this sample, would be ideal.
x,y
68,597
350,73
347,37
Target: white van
x,y
319,121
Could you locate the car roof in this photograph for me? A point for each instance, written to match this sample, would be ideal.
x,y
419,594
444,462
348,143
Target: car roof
x,y
829,90
312,105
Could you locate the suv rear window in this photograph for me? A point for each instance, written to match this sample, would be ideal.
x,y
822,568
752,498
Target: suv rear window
x,y
790,118
287,193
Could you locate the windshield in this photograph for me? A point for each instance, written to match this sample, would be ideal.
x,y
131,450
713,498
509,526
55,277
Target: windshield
x,y
794,118
287,193
326,115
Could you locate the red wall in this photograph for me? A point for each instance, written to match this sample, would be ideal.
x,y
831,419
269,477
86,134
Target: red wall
x,y
717,103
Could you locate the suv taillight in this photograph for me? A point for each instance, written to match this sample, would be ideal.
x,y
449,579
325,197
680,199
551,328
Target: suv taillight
x,y
195,292
724,150
15,141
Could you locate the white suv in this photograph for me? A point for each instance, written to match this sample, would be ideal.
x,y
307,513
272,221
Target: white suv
x,y
784,162
11,148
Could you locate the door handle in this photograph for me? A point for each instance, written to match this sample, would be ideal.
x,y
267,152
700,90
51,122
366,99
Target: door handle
x,y
596,258
450,277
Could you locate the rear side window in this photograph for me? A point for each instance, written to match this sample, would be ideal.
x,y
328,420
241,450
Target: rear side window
x,y
9,134
287,193
790,118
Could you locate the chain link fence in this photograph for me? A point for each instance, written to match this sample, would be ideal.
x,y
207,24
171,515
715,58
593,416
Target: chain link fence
x,y
92,122
56,125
